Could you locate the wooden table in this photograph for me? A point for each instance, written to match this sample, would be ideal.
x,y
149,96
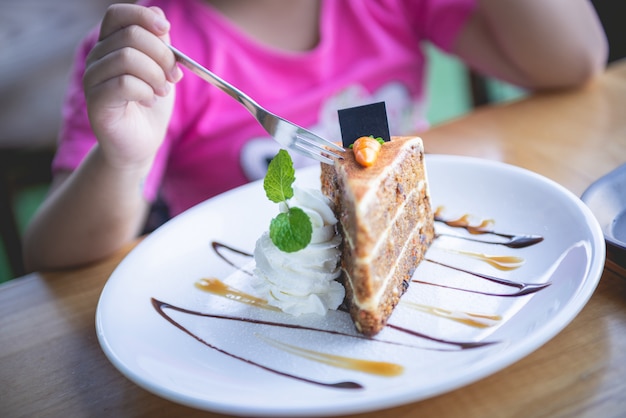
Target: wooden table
x,y
52,365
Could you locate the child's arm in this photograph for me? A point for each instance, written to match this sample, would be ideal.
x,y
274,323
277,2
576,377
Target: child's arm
x,y
539,44
100,207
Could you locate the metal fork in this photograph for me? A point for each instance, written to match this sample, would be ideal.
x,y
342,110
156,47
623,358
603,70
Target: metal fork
x,y
286,133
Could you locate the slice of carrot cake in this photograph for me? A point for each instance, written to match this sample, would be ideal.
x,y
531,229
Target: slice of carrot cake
x,y
386,222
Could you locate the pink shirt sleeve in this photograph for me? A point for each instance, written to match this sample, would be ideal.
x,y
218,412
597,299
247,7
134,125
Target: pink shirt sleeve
x,y
75,138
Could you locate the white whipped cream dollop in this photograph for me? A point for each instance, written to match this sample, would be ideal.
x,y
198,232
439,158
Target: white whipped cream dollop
x,y
303,282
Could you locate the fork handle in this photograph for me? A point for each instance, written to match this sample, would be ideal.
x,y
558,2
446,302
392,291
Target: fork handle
x,y
217,81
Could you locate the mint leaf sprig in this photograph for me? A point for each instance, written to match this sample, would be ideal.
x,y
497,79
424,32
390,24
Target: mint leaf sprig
x,y
290,231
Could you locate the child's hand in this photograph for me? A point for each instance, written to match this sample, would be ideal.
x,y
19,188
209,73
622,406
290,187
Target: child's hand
x,y
128,84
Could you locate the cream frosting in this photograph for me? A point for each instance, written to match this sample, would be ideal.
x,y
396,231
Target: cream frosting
x,y
303,282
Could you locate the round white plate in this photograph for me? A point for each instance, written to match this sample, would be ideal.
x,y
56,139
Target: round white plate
x,y
240,367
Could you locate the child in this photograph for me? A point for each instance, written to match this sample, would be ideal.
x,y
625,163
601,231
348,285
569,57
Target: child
x,y
134,127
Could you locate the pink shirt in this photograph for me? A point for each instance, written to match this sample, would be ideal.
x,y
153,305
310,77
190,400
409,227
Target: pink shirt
x,y
369,51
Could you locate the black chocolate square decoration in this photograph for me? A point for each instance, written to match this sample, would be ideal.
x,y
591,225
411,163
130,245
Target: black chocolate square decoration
x,y
366,120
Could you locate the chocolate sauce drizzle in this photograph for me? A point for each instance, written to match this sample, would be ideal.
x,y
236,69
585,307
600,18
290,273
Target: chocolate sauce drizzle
x,y
461,345
218,247
522,288
215,286
513,240
160,307
219,288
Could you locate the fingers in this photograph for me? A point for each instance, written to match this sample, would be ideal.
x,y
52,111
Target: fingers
x,y
119,16
104,97
132,51
131,48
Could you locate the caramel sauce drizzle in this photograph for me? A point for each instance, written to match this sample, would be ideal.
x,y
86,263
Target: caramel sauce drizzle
x,y
380,368
219,288
464,222
513,240
223,290
501,262
476,320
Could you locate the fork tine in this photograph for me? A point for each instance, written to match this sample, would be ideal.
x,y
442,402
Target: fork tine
x,y
298,147
313,138
315,147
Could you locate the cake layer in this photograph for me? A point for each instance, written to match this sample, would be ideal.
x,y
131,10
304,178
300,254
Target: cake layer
x,y
388,250
370,318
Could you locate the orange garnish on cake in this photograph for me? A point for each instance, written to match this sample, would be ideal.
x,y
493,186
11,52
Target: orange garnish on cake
x,y
366,150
